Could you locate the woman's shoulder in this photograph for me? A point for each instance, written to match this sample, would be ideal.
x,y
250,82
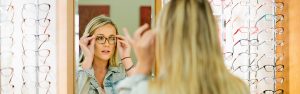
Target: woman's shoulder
x,y
117,73
117,69
137,84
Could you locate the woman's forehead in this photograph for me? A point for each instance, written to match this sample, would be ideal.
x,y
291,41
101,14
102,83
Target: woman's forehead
x,y
106,30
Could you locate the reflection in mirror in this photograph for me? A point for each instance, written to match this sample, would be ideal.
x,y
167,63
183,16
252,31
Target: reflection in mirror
x,y
116,15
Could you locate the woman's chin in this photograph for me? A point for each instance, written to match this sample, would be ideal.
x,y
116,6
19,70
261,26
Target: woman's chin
x,y
105,57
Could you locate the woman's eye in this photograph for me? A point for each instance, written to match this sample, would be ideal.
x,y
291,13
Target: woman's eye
x,y
112,38
100,38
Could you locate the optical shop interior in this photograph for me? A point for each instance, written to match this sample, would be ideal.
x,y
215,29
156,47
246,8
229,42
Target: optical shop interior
x,y
149,47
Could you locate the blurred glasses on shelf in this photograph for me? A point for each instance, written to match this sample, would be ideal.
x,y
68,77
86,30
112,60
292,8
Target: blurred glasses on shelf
x,y
6,13
30,56
33,26
30,86
35,11
34,41
278,91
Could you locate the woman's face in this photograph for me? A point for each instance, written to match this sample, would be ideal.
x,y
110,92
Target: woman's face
x,y
105,42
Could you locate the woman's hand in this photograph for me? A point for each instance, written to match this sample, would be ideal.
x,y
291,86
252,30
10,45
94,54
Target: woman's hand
x,y
123,46
124,51
87,45
143,43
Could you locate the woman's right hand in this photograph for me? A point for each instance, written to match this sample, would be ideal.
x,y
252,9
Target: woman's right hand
x,y
143,43
87,45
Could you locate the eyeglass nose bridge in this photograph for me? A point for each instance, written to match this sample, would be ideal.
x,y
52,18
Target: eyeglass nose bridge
x,y
105,39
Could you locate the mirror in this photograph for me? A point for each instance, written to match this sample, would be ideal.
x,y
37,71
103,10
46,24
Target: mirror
x,y
124,13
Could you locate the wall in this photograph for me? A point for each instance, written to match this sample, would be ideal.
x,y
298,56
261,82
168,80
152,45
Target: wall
x,y
125,13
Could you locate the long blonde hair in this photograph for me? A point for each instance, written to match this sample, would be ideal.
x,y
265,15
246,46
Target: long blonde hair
x,y
90,28
189,54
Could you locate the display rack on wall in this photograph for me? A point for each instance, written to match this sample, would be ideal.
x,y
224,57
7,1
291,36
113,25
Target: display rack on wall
x,y
252,34
28,46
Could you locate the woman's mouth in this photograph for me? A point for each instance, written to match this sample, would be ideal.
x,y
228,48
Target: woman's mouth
x,y
105,52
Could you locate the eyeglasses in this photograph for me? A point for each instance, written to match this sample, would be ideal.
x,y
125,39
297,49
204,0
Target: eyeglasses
x,y
30,10
29,86
246,68
247,42
251,30
34,69
34,53
270,18
277,30
28,24
224,3
6,28
251,56
267,80
6,12
271,42
279,91
7,72
34,40
273,68
29,69
101,39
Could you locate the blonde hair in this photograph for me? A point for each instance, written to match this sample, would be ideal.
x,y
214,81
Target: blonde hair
x,y
90,28
189,54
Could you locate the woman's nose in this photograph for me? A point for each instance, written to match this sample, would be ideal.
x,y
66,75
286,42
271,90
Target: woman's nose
x,y
106,43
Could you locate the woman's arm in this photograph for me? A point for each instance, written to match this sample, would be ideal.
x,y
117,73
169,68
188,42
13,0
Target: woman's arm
x,y
124,51
129,66
143,43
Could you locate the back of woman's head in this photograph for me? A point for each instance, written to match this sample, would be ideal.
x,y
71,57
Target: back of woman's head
x,y
188,52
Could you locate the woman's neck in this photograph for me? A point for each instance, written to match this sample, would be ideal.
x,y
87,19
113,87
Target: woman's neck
x,y
100,65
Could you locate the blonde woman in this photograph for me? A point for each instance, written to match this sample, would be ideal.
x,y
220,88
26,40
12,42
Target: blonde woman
x,y
187,50
99,71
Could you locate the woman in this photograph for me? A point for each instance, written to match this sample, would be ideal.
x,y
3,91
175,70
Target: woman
x,y
99,70
187,51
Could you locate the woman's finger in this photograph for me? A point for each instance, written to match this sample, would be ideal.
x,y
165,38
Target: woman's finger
x,y
89,38
84,36
120,37
148,35
127,36
93,41
140,31
123,43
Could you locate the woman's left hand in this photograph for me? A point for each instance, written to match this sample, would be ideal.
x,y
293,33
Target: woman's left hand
x,y
123,46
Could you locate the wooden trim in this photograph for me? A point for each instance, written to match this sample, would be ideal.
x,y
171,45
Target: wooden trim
x,y
65,46
158,7
283,49
294,44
